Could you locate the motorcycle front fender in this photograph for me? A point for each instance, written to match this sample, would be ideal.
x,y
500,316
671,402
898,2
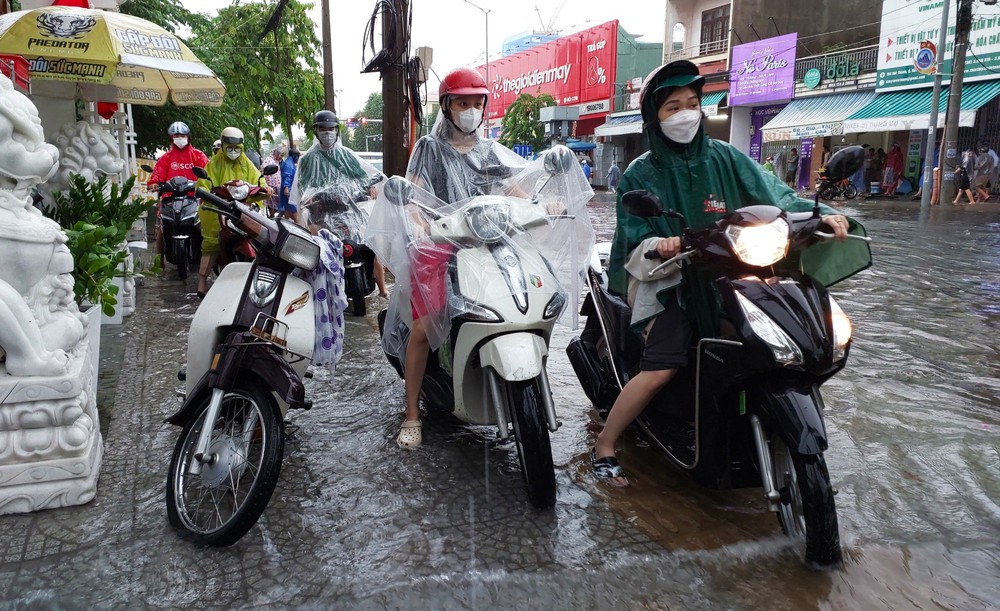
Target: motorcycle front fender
x,y
796,412
256,361
516,356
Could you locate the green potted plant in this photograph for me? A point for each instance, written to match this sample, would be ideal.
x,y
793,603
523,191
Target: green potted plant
x,y
96,217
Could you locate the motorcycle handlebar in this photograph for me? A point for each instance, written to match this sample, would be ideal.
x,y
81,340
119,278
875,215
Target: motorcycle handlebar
x,y
651,254
212,198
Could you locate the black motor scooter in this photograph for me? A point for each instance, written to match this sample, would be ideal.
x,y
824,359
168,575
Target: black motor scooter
x,y
747,411
339,213
179,222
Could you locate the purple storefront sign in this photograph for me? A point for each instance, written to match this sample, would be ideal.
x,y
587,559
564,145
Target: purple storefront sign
x,y
805,164
758,118
763,71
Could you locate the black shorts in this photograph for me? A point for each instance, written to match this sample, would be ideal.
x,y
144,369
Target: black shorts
x,y
668,341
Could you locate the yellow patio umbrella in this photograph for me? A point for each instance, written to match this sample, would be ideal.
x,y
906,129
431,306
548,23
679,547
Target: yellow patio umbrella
x,y
137,61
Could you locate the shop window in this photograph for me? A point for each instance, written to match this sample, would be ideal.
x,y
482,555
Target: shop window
x,y
714,30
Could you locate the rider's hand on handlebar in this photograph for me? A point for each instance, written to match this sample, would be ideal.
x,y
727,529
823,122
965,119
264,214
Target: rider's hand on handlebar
x,y
668,247
839,224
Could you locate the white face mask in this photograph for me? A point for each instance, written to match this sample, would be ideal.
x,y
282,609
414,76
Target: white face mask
x,y
180,142
233,153
681,126
469,120
327,139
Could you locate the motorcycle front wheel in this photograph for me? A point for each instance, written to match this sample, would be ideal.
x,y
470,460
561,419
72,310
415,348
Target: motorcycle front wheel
x,y
807,509
181,258
534,449
827,194
355,282
219,505
850,192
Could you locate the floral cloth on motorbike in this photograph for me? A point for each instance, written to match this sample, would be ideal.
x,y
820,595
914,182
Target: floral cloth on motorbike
x,y
327,282
488,244
706,180
332,187
220,170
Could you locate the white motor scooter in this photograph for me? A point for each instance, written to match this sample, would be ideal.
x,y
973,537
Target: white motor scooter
x,y
250,342
504,295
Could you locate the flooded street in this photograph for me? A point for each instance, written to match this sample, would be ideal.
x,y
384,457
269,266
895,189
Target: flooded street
x,y
913,421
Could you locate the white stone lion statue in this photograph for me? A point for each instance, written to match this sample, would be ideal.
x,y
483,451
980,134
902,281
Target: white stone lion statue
x,y
84,149
39,320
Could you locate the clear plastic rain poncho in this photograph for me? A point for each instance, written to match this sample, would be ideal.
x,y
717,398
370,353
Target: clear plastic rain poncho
x,y
332,189
521,247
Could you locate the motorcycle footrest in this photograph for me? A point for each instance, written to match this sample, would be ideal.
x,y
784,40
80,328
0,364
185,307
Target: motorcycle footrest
x,y
305,405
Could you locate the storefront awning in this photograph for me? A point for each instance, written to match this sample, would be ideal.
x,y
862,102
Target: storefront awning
x,y
906,110
815,117
621,125
710,102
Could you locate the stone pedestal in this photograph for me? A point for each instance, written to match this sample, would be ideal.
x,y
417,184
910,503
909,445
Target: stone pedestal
x,y
50,438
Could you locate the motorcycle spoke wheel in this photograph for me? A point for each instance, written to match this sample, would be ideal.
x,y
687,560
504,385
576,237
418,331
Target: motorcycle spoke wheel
x,y
806,510
850,192
219,505
531,433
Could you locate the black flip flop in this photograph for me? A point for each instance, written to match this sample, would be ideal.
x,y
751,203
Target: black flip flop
x,y
607,467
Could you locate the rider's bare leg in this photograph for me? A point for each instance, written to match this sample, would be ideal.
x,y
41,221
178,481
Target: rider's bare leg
x,y
415,365
207,262
379,271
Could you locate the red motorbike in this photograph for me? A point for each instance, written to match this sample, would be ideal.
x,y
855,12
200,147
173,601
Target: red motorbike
x,y
234,244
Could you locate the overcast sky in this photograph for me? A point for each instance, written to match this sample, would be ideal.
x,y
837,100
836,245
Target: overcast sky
x,y
456,31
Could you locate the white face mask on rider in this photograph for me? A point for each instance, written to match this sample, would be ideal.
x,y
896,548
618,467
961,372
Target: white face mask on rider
x,y
180,142
682,125
327,139
469,120
233,152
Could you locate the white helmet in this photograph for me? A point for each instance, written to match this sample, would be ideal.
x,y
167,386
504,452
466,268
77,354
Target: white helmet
x,y
232,135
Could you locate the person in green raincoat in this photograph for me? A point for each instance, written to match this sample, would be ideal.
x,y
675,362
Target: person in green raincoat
x,y
229,163
704,180
329,176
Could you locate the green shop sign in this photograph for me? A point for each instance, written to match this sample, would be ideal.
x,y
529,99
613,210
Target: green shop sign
x,y
842,68
812,78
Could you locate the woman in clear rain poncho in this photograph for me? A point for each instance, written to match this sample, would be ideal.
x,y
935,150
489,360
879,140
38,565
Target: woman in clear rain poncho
x,y
333,187
453,163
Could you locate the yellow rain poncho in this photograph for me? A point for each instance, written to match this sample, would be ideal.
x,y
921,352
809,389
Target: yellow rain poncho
x,y
222,169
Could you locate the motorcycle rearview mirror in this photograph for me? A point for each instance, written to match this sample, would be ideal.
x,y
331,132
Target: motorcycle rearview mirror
x,y
398,191
271,169
200,172
559,160
642,203
845,163
146,168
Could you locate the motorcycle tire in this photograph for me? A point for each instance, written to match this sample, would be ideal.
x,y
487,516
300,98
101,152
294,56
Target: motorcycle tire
x,y
181,259
850,192
211,508
534,449
355,282
806,509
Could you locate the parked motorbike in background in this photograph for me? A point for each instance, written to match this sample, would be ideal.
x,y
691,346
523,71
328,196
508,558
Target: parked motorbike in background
x,y
507,262
248,347
829,189
747,411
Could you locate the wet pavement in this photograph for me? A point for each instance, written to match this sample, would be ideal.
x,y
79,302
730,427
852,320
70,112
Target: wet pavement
x,y
357,523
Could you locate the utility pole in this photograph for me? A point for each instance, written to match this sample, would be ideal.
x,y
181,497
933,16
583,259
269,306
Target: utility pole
x,y
950,160
329,97
395,114
928,184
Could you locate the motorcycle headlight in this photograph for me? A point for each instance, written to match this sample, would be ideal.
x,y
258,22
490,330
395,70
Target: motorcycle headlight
x,y
239,192
298,248
784,348
842,330
488,223
555,306
759,245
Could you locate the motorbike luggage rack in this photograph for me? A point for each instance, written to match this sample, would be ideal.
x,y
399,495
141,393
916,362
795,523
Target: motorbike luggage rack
x,y
270,329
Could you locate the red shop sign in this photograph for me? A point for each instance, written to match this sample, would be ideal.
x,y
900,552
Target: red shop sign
x,y
576,69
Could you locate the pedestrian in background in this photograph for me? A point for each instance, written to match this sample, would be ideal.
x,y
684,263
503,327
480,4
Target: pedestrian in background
x,y
791,165
963,185
984,171
892,174
996,169
586,169
273,180
614,175
769,164
287,178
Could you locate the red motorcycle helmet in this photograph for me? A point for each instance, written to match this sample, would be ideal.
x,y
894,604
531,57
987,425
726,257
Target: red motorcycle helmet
x,y
463,81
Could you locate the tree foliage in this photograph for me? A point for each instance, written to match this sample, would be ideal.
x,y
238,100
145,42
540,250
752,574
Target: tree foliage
x,y
276,80
521,123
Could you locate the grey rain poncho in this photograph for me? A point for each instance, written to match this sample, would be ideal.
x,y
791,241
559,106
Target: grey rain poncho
x,y
333,189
